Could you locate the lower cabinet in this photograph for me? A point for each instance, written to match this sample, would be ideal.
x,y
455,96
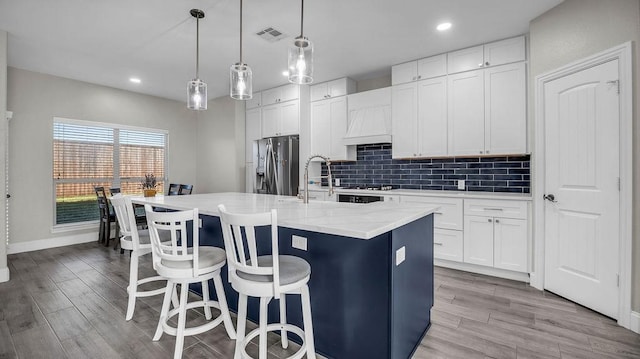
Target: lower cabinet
x,y
447,244
510,244
478,240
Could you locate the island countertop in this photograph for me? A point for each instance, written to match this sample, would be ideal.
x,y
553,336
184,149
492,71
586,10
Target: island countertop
x,y
363,221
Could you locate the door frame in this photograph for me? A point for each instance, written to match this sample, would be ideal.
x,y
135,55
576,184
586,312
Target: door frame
x,y
623,53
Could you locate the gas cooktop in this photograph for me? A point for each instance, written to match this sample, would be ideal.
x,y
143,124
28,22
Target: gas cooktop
x,y
371,187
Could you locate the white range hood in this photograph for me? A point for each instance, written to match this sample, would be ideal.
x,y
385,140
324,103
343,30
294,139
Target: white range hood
x,y
369,117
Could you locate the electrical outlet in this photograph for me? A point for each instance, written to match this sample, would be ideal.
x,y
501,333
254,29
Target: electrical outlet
x,y
400,255
461,184
199,222
299,242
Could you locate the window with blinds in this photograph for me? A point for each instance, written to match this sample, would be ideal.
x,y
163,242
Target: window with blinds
x,y
86,155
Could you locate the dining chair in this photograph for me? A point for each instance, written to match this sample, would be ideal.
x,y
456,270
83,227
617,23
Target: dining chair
x,y
174,189
185,189
107,216
267,277
183,264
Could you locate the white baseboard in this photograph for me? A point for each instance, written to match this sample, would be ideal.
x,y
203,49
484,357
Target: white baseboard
x,y
495,272
4,274
634,322
39,244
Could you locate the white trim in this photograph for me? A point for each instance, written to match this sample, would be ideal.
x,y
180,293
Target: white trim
x,y
4,274
634,322
108,125
39,244
473,268
624,55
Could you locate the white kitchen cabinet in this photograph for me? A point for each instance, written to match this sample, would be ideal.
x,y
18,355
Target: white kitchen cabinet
x,y
422,69
404,120
253,132
466,113
331,89
505,107
250,177
255,101
328,127
491,54
447,244
280,94
496,234
281,119
487,111
478,240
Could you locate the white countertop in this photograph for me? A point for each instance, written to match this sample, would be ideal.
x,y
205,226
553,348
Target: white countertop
x,y
363,221
433,193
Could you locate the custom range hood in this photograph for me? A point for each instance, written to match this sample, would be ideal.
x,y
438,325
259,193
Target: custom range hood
x,y
369,117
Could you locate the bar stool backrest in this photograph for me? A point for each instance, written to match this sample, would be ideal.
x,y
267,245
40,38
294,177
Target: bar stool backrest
x,y
126,218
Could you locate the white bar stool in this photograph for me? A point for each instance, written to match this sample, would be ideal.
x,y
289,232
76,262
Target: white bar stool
x,y
139,243
266,277
183,265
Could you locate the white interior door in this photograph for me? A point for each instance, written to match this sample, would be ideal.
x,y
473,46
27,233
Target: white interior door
x,y
582,122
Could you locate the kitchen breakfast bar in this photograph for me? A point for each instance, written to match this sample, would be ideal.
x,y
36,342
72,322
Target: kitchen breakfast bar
x,y
371,267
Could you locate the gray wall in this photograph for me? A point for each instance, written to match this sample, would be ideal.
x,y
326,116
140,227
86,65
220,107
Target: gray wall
x,y
36,98
374,83
579,28
3,130
220,152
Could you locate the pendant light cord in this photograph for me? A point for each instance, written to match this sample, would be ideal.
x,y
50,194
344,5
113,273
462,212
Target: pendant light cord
x,y
197,46
241,31
301,18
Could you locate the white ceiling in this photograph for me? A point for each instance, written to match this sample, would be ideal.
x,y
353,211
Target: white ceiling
x,y
108,41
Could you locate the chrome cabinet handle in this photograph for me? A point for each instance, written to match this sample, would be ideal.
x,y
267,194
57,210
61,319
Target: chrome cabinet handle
x,y
419,77
437,244
487,63
497,221
493,209
550,198
489,220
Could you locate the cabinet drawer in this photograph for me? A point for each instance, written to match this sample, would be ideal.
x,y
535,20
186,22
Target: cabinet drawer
x,y
495,208
447,244
449,216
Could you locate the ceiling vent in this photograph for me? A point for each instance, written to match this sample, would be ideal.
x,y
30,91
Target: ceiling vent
x,y
271,35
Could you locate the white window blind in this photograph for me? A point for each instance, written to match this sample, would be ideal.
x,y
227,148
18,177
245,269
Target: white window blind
x,y
88,155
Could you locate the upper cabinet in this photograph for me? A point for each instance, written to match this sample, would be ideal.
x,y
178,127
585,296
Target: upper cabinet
x,y
426,68
330,89
255,101
280,94
252,133
492,54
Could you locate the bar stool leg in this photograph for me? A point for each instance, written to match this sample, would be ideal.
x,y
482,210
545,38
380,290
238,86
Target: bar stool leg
x,y
132,289
224,308
283,320
308,323
242,323
164,311
205,298
264,302
182,320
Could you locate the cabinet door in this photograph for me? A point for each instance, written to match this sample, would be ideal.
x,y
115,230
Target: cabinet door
x,y
433,66
505,109
320,127
510,244
504,51
318,92
403,73
404,120
466,113
254,101
289,122
270,118
465,60
447,244
289,92
432,117
338,116
478,240
252,132
337,87
271,96
250,175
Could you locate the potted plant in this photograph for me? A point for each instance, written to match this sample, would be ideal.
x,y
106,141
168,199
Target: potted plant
x,y
149,185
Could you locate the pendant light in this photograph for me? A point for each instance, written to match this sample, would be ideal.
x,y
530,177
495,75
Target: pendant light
x,y
240,77
301,57
196,88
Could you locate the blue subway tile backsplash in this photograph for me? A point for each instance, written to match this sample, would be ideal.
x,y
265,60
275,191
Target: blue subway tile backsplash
x,y
374,165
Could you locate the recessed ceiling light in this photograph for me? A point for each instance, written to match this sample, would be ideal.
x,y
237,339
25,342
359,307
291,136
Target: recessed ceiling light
x,y
285,73
444,26
135,80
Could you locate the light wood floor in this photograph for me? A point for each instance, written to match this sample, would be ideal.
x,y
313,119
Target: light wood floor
x,y
70,302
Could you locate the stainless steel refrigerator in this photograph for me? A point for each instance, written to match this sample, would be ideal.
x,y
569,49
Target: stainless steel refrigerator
x,y
278,166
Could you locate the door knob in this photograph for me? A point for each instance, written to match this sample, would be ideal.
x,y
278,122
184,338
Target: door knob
x,y
550,198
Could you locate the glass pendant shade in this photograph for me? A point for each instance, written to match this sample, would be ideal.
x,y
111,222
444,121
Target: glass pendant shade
x,y
241,82
301,61
196,95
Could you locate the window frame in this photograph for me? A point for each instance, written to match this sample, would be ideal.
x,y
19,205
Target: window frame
x,y
115,181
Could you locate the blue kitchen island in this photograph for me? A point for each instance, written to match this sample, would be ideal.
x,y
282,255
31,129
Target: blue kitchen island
x,y
371,268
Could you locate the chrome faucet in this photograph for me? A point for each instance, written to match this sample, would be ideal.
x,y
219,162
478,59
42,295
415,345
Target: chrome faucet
x,y
305,198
